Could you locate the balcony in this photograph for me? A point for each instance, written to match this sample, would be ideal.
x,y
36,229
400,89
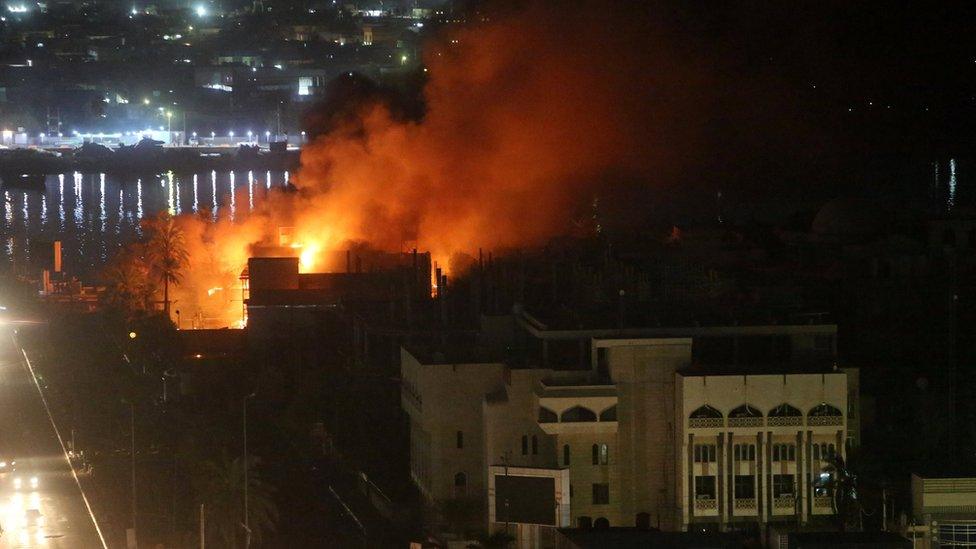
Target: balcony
x,y
706,504
706,422
784,502
823,503
745,506
823,421
745,422
577,408
794,421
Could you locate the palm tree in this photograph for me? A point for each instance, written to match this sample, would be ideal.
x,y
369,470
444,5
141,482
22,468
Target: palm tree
x,y
843,489
166,251
220,486
129,286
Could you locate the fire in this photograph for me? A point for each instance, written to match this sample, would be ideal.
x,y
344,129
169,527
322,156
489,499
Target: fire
x,y
308,257
521,129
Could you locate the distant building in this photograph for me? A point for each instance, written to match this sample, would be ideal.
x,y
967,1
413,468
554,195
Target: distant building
x,y
943,511
641,436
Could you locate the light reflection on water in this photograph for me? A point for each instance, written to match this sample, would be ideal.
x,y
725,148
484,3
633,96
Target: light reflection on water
x,y
92,227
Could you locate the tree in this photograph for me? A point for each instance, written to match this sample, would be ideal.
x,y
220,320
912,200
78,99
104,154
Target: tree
x,y
129,286
220,487
843,489
166,252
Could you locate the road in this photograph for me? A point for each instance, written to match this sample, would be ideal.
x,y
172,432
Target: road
x,y
28,437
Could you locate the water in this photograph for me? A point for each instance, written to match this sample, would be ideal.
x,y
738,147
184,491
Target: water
x,y
94,215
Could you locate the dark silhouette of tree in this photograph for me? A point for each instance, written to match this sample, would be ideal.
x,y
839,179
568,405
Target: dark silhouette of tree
x,y
220,487
166,252
128,284
842,487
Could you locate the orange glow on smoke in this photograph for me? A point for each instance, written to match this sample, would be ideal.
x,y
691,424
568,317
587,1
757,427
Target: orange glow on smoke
x,y
521,128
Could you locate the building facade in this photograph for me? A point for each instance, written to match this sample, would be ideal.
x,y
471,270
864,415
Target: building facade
x,y
645,434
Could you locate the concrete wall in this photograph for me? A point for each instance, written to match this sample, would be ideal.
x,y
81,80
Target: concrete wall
x,y
644,478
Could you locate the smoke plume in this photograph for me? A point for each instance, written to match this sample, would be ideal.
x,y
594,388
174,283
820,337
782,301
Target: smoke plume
x,y
529,115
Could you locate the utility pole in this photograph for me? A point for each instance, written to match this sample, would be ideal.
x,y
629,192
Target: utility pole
x,y
132,452
884,510
247,519
203,536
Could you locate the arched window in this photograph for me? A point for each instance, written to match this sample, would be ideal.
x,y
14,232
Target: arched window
x,y
535,445
584,523
745,411
705,412
525,445
601,524
547,416
601,454
643,521
785,410
823,409
578,414
460,484
565,454
610,414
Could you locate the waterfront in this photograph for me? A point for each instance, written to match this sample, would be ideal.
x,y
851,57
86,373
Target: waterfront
x,y
94,214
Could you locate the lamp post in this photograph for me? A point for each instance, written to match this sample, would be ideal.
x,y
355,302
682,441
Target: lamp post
x,y
247,518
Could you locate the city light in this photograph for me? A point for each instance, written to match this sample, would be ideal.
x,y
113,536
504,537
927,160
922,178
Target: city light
x,y
201,11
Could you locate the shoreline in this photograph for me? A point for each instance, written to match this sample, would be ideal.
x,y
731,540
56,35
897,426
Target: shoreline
x,y
15,164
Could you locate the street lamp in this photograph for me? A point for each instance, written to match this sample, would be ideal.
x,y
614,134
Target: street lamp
x,y
249,134
247,520
231,134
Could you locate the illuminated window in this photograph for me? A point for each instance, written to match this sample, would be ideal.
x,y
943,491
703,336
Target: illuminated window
x,y
601,454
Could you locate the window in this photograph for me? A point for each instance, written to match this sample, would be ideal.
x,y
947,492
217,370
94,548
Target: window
x,y
744,452
610,414
822,485
547,416
783,486
584,523
578,414
784,452
570,491
601,494
705,487
460,439
745,411
565,454
601,454
705,412
824,409
460,484
704,453
785,410
525,445
745,487
535,445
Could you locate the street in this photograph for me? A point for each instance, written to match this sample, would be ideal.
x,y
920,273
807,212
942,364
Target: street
x,y
41,504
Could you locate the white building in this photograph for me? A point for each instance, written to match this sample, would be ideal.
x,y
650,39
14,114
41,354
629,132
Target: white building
x,y
641,436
